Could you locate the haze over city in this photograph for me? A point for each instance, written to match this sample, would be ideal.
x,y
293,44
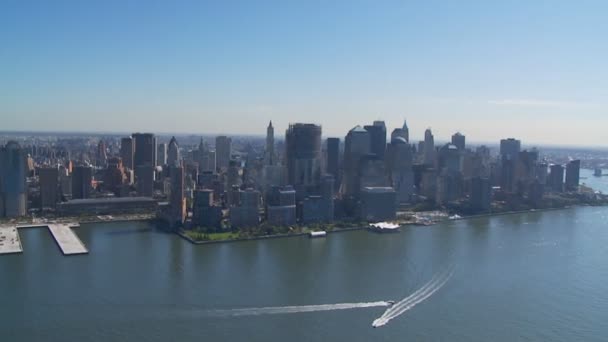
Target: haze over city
x,y
533,70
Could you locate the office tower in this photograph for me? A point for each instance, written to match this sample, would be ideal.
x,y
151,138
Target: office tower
x,y
49,184
573,175
81,182
204,212
542,173
177,202
102,156
333,158
173,157
556,178
372,172
233,174
223,152
481,194
269,156
429,148
161,154
356,145
449,158
303,154
377,137
509,148
378,204
13,178
145,180
126,151
320,208
281,209
246,213
403,132
399,162
115,176
458,140
145,150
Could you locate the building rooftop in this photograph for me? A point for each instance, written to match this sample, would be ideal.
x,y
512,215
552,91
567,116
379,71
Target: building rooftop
x,y
109,200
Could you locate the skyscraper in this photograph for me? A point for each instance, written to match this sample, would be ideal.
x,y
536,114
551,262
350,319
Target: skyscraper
x,y
377,134
161,154
177,201
49,183
399,161
356,145
173,157
13,177
144,161
126,151
269,156
509,148
573,169
429,148
458,140
303,154
81,182
223,152
102,157
333,158
556,178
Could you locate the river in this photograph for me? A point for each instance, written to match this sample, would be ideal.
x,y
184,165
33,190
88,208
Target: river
x,y
532,276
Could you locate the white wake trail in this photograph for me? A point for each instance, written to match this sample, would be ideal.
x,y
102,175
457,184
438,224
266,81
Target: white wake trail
x,y
418,297
426,287
295,309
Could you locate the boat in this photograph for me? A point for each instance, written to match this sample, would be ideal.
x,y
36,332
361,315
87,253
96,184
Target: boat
x,y
321,233
390,303
384,227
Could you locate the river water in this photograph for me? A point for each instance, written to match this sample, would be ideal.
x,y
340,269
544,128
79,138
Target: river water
x,y
533,276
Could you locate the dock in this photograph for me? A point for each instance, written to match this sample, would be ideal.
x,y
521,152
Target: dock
x,y
9,241
67,240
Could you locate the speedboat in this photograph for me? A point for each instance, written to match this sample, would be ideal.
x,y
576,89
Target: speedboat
x,y
390,303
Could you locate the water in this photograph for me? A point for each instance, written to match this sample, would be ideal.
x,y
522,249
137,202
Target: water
x,y
534,276
596,183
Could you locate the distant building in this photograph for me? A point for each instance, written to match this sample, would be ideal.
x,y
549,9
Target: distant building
x,y
481,194
399,161
509,148
13,178
161,154
333,158
377,137
49,185
223,152
458,140
127,149
115,177
82,177
556,178
429,148
356,145
173,156
269,155
177,201
145,180
102,156
303,155
573,169
378,204
320,208
246,213
281,208
144,162
204,212
108,206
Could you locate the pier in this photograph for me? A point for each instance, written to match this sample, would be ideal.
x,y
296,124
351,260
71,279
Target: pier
x,y
67,240
9,241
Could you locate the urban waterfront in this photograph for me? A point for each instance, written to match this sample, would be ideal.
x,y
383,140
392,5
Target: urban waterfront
x,y
532,276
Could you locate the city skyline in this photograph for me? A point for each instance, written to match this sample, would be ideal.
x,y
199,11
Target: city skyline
x,y
532,71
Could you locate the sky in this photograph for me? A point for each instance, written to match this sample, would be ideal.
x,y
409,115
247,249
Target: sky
x,y
534,70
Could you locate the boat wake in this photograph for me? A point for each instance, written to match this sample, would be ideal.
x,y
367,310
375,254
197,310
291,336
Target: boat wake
x,y
295,309
420,295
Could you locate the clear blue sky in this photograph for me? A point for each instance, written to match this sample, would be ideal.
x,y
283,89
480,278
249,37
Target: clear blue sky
x,y
537,70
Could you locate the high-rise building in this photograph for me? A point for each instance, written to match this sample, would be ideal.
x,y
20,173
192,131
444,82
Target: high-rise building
x,y
481,194
429,148
399,162
573,169
269,155
458,140
102,156
377,137
356,145
115,176
81,182
145,149
49,184
556,178
303,154
247,212
333,158
127,149
161,154
177,201
173,157
13,178
509,148
223,152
